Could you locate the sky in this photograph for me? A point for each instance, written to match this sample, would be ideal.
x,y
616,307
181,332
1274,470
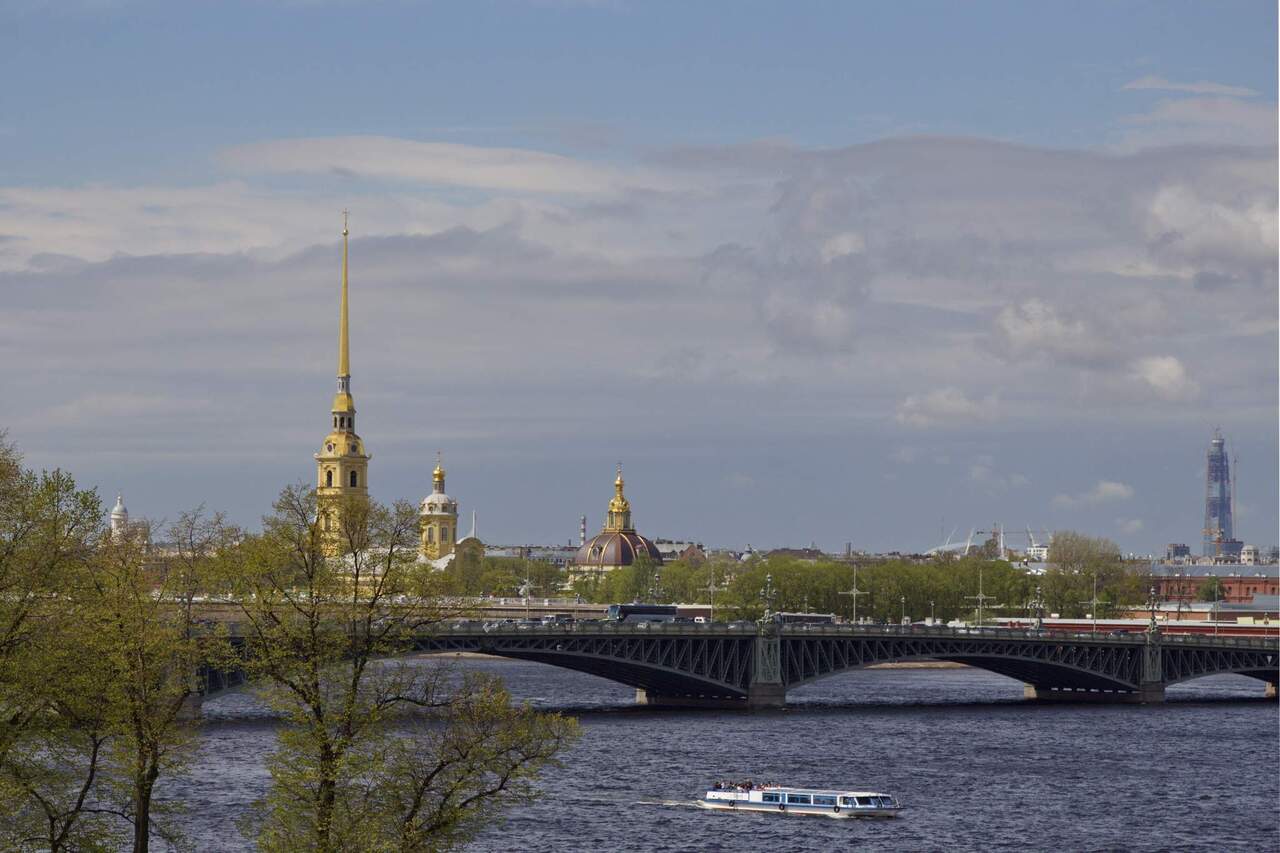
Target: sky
x,y
812,272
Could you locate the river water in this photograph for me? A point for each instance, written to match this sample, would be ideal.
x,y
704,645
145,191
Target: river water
x,y
977,767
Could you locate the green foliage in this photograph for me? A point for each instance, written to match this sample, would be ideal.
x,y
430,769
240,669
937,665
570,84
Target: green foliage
x,y
1211,590
945,587
97,659
1076,561
322,632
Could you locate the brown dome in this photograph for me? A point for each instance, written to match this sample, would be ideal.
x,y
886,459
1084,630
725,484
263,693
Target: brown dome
x,y
616,548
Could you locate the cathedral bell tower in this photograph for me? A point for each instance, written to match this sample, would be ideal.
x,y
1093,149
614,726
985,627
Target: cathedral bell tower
x,y
438,520
342,465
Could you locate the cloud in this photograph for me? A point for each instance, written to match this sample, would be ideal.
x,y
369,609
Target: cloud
x,y
443,163
945,407
1202,121
1106,491
1037,329
1130,526
1165,376
1151,81
984,473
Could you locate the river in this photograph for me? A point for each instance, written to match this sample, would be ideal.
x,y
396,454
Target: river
x,y
977,767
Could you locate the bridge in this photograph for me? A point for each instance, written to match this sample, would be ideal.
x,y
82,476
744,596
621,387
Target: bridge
x,y
740,665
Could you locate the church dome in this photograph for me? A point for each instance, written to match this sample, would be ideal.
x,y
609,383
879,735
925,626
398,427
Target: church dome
x,y
438,503
617,544
609,550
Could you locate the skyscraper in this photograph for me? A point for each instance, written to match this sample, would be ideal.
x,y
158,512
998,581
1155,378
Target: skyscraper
x,y
1218,528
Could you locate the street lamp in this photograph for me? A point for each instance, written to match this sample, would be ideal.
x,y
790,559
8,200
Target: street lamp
x,y
767,595
932,621
854,593
1093,602
903,599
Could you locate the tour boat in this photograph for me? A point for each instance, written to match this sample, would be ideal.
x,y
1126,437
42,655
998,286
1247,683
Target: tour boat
x,y
751,797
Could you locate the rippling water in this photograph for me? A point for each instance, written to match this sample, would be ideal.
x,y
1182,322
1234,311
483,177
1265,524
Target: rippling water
x,y
977,767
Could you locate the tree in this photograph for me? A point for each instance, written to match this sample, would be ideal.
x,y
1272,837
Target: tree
x,y
321,634
1076,561
149,649
1212,590
54,726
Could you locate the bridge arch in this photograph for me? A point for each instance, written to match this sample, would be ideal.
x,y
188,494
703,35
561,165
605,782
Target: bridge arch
x,y
1028,670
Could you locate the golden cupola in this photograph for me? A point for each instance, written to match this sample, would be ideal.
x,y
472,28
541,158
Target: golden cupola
x,y
619,516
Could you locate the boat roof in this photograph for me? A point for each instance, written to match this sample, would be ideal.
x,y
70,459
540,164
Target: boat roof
x,y
791,789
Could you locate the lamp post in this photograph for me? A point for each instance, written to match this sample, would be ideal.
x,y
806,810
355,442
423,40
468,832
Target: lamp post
x,y
853,593
711,590
1039,610
1151,604
767,596
981,598
903,599
932,621
1093,603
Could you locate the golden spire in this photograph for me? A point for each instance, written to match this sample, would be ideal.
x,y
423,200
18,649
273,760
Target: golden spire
x,y
344,406
344,355
437,476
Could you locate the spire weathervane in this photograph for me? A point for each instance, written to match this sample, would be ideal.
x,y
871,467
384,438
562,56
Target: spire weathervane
x,y
344,355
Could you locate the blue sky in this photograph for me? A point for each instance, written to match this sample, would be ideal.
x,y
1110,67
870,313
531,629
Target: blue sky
x,y
815,272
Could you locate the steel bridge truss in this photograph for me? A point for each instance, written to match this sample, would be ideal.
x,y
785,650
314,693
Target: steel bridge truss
x,y
697,667
1076,666
731,663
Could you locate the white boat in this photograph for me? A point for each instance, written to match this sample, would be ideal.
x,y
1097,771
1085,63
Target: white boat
x,y
780,799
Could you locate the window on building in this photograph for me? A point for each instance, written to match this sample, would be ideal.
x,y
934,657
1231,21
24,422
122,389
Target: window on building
x,y
328,479
444,534
431,535
353,479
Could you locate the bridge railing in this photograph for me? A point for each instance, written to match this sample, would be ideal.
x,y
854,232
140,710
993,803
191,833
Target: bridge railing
x,y
744,628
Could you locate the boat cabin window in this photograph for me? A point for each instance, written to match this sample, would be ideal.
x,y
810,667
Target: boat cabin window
x,y
798,799
886,802
868,801
847,801
821,800
770,798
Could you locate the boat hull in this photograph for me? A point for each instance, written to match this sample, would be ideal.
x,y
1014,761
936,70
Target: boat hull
x,y
815,811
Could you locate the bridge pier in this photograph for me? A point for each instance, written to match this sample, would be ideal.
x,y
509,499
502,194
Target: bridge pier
x,y
1145,695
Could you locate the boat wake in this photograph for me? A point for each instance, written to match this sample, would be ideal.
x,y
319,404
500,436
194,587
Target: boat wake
x,y
678,804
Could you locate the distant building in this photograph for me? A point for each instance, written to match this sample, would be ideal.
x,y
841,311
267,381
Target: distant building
x,y
1219,528
438,519
1177,552
1185,582
617,544
688,551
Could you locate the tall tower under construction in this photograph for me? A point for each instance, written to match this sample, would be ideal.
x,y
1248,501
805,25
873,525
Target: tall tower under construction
x,y
1219,534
